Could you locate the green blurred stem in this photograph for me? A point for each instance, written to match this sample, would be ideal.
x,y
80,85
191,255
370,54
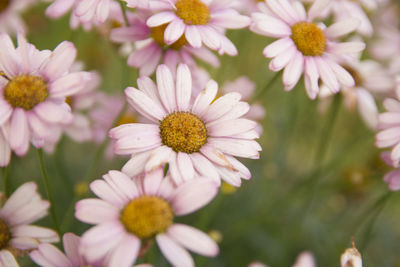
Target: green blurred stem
x,y
6,184
378,207
123,9
48,191
260,93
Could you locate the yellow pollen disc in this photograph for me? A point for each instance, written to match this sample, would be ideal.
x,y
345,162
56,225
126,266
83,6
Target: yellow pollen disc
x,y
147,216
183,132
4,4
157,33
193,12
26,91
308,38
5,234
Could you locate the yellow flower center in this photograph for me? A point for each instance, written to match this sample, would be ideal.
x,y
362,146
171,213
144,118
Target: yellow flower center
x,y
184,132
147,216
193,12
308,38
26,91
4,4
157,33
5,234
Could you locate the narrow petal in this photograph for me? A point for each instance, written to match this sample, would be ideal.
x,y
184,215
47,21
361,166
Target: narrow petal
x,y
174,253
183,87
166,88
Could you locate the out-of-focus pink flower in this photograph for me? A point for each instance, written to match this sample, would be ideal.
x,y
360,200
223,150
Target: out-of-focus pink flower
x,y
130,213
10,20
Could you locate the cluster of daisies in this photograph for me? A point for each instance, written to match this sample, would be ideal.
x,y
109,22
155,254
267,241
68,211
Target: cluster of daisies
x,y
182,133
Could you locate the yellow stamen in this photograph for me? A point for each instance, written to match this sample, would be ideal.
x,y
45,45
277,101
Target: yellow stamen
x,y
193,12
228,189
5,234
184,132
147,216
157,33
4,4
26,91
309,39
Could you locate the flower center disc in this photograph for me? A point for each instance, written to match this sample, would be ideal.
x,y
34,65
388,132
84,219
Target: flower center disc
x,y
193,12
157,33
5,234
183,132
26,91
309,39
4,4
147,216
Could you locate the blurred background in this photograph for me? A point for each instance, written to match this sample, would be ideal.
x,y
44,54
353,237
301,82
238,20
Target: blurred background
x,y
317,184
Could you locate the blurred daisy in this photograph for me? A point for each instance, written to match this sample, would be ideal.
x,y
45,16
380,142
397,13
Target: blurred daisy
x,y
200,22
10,20
151,48
306,47
17,236
392,178
34,85
371,80
389,124
128,215
194,138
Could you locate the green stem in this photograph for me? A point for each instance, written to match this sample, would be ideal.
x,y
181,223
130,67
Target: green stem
x,y
123,9
6,183
48,191
269,84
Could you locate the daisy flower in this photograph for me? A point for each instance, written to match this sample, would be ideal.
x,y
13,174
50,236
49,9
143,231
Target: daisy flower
x,y
151,48
201,22
10,20
371,80
194,138
34,85
129,214
389,124
17,236
306,47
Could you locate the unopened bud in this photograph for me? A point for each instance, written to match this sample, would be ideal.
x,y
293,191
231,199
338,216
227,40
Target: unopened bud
x,y
351,257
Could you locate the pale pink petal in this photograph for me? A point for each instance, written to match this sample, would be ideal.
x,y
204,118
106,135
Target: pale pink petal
x,y
125,253
174,253
71,248
193,195
193,239
185,166
221,106
94,211
293,71
205,97
152,181
277,47
9,62
158,157
166,88
53,112
192,35
19,139
230,127
341,28
60,60
204,167
160,18
183,87
144,104
174,31
236,147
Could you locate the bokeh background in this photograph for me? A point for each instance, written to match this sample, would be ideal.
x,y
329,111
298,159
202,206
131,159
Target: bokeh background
x,y
317,184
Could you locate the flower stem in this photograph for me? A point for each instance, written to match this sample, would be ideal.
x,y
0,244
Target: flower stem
x,y
6,184
123,9
48,191
259,93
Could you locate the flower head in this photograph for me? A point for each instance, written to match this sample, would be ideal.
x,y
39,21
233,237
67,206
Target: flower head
x,y
200,22
34,85
305,46
10,20
17,236
200,137
132,212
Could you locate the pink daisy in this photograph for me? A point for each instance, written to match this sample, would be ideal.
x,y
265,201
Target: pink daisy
x,y
389,124
194,138
34,85
10,20
48,255
151,48
17,236
200,21
93,10
306,47
392,178
371,80
129,214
